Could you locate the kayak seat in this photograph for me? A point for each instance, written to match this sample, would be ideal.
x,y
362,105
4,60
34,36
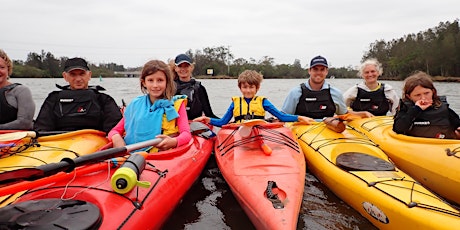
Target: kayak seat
x,y
355,161
51,214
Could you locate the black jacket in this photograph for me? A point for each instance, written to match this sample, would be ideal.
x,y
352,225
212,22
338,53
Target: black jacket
x,y
69,110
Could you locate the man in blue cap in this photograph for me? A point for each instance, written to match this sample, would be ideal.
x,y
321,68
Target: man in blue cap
x,y
316,98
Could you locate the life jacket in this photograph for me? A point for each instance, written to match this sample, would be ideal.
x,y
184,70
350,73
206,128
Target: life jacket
x,y
7,112
170,128
78,108
191,90
432,123
315,104
244,111
374,102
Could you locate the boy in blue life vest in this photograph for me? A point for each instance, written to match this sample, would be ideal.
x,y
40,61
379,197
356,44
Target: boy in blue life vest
x,y
250,106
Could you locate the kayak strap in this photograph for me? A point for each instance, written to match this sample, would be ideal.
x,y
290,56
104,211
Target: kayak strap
x,y
356,161
272,197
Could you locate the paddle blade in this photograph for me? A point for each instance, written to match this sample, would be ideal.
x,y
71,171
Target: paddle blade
x,y
335,124
19,175
17,135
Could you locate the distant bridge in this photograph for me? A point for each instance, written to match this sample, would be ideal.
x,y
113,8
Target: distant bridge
x,y
129,73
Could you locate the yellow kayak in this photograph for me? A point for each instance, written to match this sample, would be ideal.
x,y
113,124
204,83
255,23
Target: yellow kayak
x,y
28,151
433,162
360,173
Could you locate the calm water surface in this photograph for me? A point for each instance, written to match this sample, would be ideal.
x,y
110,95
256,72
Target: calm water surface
x,y
210,204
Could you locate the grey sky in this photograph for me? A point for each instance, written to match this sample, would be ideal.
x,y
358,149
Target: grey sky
x,y
131,32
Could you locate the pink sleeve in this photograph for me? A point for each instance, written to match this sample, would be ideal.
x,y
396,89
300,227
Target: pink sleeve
x,y
118,129
184,128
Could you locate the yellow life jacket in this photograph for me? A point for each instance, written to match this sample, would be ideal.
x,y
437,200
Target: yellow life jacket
x,y
244,111
170,128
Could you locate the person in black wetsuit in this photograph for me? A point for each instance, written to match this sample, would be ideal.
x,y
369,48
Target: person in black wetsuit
x,y
198,101
77,105
422,113
371,95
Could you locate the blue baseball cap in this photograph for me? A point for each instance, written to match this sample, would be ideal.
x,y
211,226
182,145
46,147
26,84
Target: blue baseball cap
x,y
182,58
318,60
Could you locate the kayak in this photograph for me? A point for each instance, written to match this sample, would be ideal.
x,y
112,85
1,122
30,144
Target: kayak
x,y
360,174
103,194
265,170
25,150
433,162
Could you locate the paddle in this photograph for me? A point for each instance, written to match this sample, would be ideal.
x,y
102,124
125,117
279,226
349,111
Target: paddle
x,y
336,123
32,134
68,165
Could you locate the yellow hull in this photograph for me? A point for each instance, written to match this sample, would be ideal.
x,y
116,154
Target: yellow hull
x,y
386,196
425,159
30,152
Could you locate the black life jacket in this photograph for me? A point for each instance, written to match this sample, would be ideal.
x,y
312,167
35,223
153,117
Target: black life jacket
x,y
315,104
432,122
191,90
76,109
374,102
7,112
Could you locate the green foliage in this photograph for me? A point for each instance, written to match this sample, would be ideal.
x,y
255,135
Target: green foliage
x,y
435,51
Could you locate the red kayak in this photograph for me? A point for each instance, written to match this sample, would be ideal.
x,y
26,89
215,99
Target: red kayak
x,y
265,169
90,197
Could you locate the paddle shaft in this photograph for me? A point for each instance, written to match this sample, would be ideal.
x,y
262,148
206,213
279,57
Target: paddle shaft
x,y
67,164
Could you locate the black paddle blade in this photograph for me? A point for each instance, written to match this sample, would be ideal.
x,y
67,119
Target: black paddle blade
x,y
201,130
19,175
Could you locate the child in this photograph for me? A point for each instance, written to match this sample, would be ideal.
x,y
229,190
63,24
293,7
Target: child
x,y
158,114
421,113
251,106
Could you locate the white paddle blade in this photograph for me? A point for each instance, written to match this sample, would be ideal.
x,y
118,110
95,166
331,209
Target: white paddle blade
x,y
17,135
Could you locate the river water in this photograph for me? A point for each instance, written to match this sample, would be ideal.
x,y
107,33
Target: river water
x,y
210,204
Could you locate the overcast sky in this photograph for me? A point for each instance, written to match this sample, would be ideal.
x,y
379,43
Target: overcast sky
x,y
131,32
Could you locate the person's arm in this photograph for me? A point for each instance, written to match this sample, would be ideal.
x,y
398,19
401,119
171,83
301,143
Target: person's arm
x,y
46,119
184,128
404,118
269,107
116,134
350,95
26,109
112,113
291,101
205,103
340,107
225,119
393,97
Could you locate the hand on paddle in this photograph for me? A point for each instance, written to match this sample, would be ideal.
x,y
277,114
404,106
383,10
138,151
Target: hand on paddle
x,y
203,119
306,120
167,142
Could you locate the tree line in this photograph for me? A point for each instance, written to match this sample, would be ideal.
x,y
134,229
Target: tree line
x,y
435,51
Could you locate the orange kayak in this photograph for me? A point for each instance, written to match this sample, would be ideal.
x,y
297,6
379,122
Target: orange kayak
x,y
265,169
